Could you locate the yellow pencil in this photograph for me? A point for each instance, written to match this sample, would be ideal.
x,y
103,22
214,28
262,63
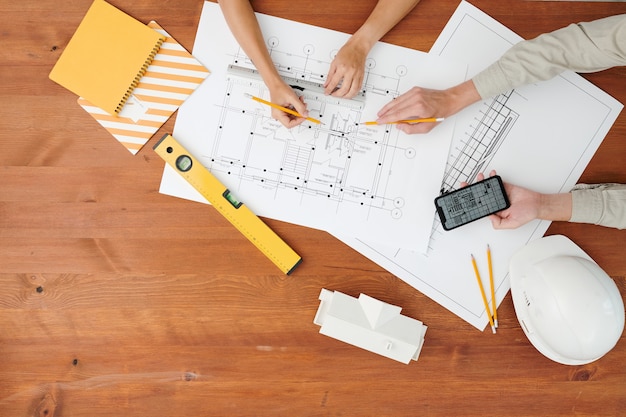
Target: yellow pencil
x,y
425,120
482,293
285,109
493,292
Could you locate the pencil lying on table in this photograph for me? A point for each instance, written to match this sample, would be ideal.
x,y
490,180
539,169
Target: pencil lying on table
x,y
425,120
482,293
493,292
285,109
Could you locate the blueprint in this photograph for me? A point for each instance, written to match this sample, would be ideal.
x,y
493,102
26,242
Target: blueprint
x,y
532,136
368,182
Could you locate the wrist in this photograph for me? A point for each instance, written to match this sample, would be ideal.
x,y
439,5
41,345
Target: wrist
x,y
362,41
461,96
271,78
555,207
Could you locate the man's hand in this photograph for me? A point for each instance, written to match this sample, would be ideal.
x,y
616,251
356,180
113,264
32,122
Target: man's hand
x,y
424,102
526,206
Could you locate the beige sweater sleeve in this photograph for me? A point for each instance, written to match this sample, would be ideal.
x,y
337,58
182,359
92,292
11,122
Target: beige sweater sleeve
x,y
601,204
583,47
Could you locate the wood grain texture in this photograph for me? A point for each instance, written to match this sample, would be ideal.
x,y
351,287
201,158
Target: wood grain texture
x,y
118,301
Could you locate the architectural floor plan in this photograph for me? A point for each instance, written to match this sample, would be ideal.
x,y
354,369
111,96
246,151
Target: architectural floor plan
x,y
371,182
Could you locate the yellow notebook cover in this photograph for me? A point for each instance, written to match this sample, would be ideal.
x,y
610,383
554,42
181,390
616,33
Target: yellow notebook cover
x,y
171,78
106,57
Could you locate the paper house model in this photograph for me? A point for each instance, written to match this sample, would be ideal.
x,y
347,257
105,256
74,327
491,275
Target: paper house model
x,y
370,324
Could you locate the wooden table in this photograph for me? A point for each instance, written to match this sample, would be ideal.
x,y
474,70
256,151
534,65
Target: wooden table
x,y
116,300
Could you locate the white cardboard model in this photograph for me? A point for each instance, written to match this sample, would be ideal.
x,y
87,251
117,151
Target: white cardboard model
x,y
370,324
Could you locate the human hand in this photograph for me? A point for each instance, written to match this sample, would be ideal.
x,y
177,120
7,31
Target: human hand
x,y
525,206
423,102
348,68
415,103
283,95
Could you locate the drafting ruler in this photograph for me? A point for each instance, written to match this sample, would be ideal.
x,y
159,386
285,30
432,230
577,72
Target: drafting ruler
x,y
308,89
492,124
240,216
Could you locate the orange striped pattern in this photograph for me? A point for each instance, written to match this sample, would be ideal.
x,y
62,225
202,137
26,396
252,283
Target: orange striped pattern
x,y
172,76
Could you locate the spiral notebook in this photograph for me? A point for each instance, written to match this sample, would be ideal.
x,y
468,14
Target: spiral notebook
x,y
171,78
106,56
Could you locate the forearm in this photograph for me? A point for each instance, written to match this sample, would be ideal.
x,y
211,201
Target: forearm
x,y
584,47
555,207
245,28
459,97
601,204
386,14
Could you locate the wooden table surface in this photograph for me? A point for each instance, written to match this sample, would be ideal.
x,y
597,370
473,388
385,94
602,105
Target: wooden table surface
x,y
116,300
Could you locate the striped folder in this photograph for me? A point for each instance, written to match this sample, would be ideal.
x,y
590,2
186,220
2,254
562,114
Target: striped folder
x,y
173,75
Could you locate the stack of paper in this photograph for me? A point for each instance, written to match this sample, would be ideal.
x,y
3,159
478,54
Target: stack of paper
x,y
372,186
371,182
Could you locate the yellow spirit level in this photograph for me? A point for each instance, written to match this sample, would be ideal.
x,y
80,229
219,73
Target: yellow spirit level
x,y
234,210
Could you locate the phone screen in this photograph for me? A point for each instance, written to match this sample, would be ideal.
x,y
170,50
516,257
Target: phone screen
x,y
473,202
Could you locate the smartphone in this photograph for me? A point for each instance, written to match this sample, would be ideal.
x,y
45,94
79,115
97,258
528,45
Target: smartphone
x,y
473,202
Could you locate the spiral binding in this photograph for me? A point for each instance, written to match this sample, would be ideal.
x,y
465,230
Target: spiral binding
x,y
139,75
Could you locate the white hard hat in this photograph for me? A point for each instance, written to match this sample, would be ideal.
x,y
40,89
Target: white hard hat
x,y
568,307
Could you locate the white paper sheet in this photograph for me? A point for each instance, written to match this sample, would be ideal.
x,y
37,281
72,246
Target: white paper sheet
x,y
533,136
370,182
